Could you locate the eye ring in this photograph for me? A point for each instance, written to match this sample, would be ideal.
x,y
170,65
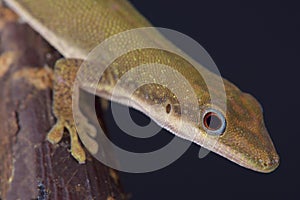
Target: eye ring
x,y
213,122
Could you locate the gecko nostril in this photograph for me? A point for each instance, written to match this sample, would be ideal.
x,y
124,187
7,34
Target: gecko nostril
x,y
265,164
270,163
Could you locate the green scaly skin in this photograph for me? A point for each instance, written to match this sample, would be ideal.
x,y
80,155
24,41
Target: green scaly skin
x,y
75,27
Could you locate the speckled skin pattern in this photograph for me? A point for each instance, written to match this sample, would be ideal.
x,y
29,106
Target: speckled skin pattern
x,y
75,27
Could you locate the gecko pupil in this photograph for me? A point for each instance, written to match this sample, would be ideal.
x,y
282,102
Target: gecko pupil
x,y
212,121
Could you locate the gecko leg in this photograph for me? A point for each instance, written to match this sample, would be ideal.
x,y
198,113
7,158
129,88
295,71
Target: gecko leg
x,y
64,76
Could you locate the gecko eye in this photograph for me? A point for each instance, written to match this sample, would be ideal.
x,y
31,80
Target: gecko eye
x,y
214,122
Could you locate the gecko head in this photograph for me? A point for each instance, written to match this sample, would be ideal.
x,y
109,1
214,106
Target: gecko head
x,y
239,133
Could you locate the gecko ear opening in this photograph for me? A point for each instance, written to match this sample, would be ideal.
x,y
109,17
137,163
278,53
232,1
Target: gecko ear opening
x,y
213,122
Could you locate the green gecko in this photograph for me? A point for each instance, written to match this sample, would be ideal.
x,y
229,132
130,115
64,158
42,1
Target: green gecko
x,y
75,27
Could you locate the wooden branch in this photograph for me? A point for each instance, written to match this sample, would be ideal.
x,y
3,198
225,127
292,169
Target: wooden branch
x,y
31,167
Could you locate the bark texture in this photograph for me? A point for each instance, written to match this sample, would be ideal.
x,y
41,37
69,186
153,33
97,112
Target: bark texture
x,y
31,167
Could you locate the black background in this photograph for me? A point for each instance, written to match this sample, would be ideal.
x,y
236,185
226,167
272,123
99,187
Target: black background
x,y
255,45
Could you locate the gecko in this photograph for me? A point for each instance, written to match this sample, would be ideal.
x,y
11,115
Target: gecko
x,y
76,27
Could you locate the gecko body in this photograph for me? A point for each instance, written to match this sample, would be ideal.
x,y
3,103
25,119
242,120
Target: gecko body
x,y
75,27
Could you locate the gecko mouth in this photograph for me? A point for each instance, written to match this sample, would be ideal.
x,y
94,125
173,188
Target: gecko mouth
x,y
260,157
270,165
263,156
265,165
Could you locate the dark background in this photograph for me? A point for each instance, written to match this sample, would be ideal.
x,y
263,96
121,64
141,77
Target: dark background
x,y
255,45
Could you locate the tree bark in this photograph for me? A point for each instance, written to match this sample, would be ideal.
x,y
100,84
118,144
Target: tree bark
x,y
31,167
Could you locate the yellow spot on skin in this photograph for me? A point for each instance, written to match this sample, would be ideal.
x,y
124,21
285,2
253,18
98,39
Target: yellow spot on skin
x,y
39,78
6,60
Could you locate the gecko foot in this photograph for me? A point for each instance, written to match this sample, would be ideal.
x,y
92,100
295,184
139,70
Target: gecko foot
x,y
55,135
63,92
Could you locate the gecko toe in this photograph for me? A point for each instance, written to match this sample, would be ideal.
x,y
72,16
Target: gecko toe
x,y
76,149
55,134
78,153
